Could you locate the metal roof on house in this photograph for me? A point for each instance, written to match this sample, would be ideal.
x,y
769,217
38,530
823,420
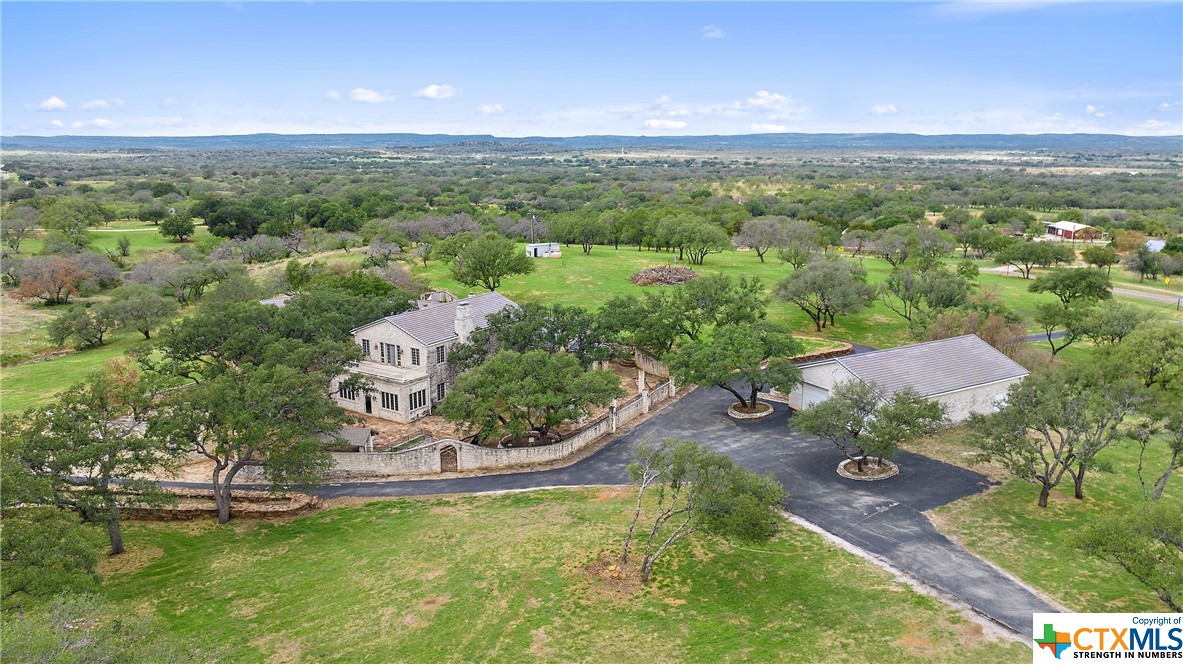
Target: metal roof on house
x,y
437,323
1156,245
933,367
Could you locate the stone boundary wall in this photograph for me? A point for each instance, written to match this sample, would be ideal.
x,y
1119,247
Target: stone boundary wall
x,y
650,364
426,458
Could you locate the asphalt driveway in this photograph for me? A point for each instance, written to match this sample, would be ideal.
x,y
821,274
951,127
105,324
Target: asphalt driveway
x,y
881,517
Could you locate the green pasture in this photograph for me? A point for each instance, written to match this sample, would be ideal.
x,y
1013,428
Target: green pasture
x,y
522,577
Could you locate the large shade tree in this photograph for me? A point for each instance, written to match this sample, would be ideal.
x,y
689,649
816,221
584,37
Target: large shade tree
x,y
513,394
827,287
487,260
90,443
862,423
743,359
266,417
1074,285
1054,424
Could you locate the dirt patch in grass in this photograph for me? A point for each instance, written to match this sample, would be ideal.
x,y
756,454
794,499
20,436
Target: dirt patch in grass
x,y
611,494
610,578
538,641
282,649
129,561
245,608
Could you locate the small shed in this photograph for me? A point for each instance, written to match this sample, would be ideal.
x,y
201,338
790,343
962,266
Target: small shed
x,y
357,439
965,373
543,250
1156,245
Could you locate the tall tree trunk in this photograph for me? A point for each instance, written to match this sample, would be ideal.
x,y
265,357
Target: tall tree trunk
x,y
739,396
114,532
1161,483
222,495
1043,494
755,391
628,538
1078,482
222,500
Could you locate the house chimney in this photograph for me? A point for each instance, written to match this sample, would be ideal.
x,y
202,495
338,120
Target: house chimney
x,y
464,324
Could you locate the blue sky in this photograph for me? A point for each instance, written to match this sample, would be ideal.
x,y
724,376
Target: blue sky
x,y
568,69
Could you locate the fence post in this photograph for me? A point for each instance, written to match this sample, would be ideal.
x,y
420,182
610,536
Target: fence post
x,y
640,379
612,415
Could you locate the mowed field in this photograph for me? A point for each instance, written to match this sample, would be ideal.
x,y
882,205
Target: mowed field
x,y
1005,525
573,279
591,280
521,577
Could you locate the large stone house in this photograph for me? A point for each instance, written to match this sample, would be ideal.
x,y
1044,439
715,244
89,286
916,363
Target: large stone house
x,y
965,373
406,356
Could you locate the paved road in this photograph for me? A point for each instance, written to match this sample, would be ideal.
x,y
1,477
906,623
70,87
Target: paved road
x,y
1144,295
1042,338
882,517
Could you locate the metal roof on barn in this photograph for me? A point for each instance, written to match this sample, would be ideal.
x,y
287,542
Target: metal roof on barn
x,y
933,367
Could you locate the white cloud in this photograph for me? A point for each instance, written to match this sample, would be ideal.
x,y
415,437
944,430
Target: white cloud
x,y
1169,106
762,128
1095,111
771,105
437,91
765,99
713,32
102,104
172,121
368,96
664,124
883,109
489,109
332,94
52,104
97,123
57,124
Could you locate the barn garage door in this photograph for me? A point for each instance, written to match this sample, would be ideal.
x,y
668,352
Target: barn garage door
x,y
811,394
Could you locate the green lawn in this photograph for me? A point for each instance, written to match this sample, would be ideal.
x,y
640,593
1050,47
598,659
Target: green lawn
x,y
145,239
590,280
1007,527
506,578
34,383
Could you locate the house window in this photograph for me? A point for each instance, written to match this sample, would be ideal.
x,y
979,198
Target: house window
x,y
347,393
365,347
390,353
389,401
440,356
418,399
415,356
439,392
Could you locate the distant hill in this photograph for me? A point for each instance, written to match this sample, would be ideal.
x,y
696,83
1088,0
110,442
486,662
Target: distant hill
x,y
1100,142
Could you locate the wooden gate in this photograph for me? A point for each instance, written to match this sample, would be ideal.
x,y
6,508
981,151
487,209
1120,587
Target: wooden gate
x,y
448,460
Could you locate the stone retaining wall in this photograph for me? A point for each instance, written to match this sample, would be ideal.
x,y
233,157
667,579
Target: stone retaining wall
x,y
428,457
823,354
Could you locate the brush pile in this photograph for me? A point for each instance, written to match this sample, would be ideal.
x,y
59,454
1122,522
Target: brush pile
x,y
663,275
